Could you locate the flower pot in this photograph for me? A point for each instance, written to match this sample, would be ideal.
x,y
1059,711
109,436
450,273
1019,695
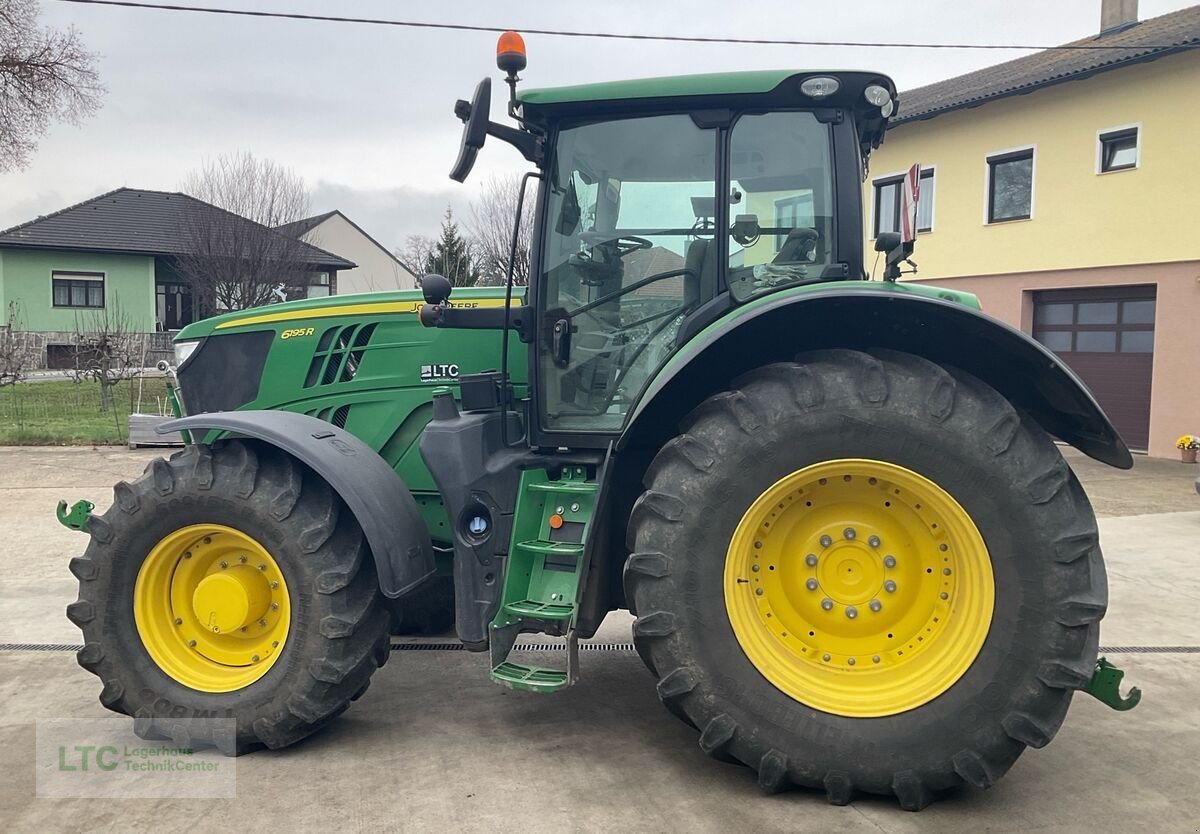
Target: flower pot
x,y
1188,455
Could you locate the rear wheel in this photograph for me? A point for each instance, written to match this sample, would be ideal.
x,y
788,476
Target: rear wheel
x,y
229,582
866,573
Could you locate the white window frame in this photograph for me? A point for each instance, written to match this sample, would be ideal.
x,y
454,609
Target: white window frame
x,y
1137,163
987,183
900,175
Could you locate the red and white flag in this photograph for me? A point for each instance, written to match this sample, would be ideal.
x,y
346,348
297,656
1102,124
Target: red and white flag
x,y
910,191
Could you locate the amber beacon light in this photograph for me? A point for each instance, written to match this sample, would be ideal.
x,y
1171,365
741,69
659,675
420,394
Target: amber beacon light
x,y
510,53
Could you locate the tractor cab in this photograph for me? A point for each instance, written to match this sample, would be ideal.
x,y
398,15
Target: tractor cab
x,y
662,205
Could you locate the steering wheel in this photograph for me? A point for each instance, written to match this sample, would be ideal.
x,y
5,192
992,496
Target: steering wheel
x,y
622,244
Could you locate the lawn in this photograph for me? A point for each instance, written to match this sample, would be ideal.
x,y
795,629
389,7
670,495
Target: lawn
x,y
67,413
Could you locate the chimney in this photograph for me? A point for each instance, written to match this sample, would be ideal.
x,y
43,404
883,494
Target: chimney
x,y
1117,16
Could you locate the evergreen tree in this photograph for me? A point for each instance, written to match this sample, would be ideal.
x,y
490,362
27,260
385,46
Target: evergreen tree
x,y
451,255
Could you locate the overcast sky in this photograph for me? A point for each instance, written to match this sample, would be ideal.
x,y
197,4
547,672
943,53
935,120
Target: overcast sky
x,y
364,113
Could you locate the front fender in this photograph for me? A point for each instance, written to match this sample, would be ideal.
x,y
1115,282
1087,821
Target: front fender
x,y
949,333
382,504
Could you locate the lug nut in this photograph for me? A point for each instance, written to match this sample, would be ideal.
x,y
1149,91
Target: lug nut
x,y
262,567
850,661
851,612
178,621
944,595
191,644
811,584
758,592
187,554
811,560
875,605
242,559
754,568
274,644
889,586
875,658
889,561
274,606
945,571
873,541
224,565
827,604
274,585
825,657
254,658
826,541
849,533
208,539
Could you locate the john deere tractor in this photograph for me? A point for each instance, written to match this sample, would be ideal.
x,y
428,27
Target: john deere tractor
x,y
856,557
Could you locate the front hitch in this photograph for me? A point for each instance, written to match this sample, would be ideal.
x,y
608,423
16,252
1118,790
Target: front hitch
x,y
77,517
1105,687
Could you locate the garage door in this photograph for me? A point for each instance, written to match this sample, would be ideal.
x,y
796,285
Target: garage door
x,y
1106,335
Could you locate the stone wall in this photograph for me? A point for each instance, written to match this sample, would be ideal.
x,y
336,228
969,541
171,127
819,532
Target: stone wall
x,y
43,349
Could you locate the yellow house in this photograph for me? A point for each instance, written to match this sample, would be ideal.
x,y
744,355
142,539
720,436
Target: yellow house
x,y
1063,188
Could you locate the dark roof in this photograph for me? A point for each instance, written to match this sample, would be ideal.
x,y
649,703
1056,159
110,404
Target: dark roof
x,y
131,220
302,227
1144,41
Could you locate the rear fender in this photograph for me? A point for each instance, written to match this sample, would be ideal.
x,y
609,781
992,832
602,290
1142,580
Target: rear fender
x,y
945,332
382,504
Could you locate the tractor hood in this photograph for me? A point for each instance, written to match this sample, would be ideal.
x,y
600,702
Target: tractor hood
x,y
398,301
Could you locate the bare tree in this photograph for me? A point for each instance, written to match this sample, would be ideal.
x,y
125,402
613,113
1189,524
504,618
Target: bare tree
x,y
491,228
45,76
108,348
415,253
233,264
15,356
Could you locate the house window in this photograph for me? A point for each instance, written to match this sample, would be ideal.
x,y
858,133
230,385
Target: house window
x,y
1118,149
887,203
319,285
1010,186
78,289
793,213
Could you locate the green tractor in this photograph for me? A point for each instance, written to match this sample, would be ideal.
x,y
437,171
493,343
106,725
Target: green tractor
x,y
856,557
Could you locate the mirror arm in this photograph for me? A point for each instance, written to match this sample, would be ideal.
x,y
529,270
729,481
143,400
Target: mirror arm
x,y
529,144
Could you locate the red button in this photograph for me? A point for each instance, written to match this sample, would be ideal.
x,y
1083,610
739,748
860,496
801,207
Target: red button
x,y
555,522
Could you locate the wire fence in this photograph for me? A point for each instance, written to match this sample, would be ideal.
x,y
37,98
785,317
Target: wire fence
x,y
69,413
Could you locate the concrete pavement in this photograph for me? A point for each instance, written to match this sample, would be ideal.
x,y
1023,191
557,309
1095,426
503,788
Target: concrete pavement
x,y
417,752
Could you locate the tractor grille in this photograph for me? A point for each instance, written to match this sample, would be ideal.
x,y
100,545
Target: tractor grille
x,y
338,354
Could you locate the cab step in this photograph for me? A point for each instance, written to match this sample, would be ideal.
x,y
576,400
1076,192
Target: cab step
x,y
543,575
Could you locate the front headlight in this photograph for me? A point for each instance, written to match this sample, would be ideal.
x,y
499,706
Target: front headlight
x,y
183,350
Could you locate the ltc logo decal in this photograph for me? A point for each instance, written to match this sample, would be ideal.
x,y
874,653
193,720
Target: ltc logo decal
x,y
438,373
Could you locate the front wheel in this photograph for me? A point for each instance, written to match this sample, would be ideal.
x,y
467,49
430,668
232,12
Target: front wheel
x,y
866,572
229,582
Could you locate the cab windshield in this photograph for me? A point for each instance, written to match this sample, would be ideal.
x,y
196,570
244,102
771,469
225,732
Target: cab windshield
x,y
631,245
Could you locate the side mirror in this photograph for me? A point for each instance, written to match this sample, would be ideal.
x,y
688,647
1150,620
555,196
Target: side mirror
x,y
475,128
887,241
435,288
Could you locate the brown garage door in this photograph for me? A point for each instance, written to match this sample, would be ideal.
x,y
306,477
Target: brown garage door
x,y
1106,335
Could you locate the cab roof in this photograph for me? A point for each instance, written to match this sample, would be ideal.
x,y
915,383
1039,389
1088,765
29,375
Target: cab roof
x,y
766,89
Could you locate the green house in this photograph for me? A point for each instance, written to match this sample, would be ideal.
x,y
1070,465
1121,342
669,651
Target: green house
x,y
122,250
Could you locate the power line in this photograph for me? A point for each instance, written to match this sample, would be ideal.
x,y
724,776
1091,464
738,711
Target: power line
x,y
567,33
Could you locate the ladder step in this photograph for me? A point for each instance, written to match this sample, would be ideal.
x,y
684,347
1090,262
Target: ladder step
x,y
577,487
552,548
531,678
541,610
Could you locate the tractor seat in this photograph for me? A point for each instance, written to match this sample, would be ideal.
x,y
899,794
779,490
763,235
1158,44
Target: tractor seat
x,y
797,247
700,282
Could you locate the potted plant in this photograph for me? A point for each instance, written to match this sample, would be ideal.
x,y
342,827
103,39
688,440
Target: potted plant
x,y
1188,446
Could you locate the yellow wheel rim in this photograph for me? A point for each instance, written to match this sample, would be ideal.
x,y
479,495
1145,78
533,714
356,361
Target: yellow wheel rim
x,y
859,587
212,608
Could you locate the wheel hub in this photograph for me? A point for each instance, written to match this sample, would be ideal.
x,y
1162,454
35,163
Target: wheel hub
x,y
212,607
859,587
